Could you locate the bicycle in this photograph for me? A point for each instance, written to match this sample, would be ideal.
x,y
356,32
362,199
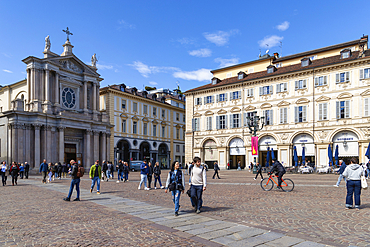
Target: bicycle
x,y
267,184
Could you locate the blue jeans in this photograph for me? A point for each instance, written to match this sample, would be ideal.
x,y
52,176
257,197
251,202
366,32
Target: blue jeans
x,y
120,175
368,172
340,179
353,186
73,183
109,175
97,181
126,176
176,199
159,180
196,195
143,180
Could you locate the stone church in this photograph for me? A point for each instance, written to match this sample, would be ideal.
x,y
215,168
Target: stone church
x,y
54,114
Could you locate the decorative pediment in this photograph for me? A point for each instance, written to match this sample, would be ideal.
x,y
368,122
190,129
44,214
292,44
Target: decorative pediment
x,y
163,123
71,65
322,98
178,126
250,108
365,93
266,105
344,95
197,114
283,103
235,109
74,64
145,119
222,111
155,121
135,118
123,115
208,113
302,101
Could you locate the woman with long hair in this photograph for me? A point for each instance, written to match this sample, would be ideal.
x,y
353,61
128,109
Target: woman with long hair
x,y
176,184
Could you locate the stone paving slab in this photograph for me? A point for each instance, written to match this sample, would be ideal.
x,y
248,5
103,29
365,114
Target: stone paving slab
x,y
285,241
309,244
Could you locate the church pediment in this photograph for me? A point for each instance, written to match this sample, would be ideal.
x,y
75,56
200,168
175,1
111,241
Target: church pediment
x,y
163,123
222,111
235,109
283,103
365,93
266,105
302,101
155,121
145,119
344,95
74,64
123,115
208,113
135,118
197,114
250,108
323,98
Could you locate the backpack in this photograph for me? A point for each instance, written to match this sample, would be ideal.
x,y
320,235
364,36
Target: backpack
x,y
80,171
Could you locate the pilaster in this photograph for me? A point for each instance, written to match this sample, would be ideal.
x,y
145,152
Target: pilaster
x,y
96,146
87,145
61,144
37,128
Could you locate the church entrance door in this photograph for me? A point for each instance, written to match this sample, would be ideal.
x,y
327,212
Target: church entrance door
x,y
69,152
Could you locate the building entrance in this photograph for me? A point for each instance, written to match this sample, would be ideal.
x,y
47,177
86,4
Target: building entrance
x,y
69,152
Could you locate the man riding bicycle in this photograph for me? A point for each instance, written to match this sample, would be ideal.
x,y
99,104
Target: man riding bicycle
x,y
280,171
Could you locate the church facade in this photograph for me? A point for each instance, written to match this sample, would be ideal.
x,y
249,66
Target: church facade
x,y
54,113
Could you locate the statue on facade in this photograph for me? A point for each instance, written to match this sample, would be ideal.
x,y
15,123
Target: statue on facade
x,y
94,60
47,43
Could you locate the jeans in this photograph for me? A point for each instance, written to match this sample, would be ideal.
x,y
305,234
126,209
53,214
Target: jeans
x,y
196,195
109,175
21,174
368,172
44,174
280,176
176,199
126,176
260,173
97,181
150,177
353,186
73,183
120,175
143,180
3,177
159,180
216,173
340,179
239,169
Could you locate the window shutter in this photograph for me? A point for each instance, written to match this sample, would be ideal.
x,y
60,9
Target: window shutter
x,y
225,96
296,85
264,114
304,83
271,117
213,98
296,114
337,78
320,111
217,122
325,80
281,115
325,111
205,100
347,76
361,74
240,120
200,101
251,92
316,81
210,123
270,89
366,107
225,121
217,97
278,86
231,121
207,127
193,124
304,115
245,119
239,94
286,115
261,91
285,86
231,96
338,109
347,111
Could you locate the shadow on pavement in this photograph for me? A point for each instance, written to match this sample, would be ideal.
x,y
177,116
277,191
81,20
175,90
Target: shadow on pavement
x,y
96,199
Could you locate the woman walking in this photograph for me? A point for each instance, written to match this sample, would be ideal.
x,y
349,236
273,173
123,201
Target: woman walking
x,y
14,170
157,175
150,174
126,171
176,184
21,171
353,174
4,169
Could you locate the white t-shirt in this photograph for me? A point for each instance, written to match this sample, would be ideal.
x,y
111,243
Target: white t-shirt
x,y
198,177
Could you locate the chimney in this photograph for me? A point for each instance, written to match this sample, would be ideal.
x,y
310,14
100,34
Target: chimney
x,y
276,55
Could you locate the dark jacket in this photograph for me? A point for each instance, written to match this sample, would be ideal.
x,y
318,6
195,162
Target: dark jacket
x,y
126,169
216,168
144,170
259,168
59,168
27,167
157,171
277,167
120,167
43,167
150,170
64,168
342,168
104,167
14,170
74,171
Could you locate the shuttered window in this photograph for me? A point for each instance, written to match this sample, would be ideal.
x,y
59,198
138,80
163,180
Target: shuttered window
x,y
268,114
281,87
342,77
209,123
300,84
250,92
196,124
300,114
208,99
283,115
366,106
321,81
221,97
221,122
249,115
323,111
364,73
342,109
235,121
198,101
235,95
266,90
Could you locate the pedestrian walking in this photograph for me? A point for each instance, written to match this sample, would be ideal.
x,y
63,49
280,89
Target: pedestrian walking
x,y
259,171
340,172
150,174
50,172
157,175
216,168
44,170
228,166
64,170
14,172
95,176
76,173
109,170
198,183
186,168
119,171
239,166
21,171
353,174
126,171
176,184
4,169
104,169
59,170
26,169
368,169
144,175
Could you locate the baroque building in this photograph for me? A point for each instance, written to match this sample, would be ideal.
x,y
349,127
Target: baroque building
x,y
307,100
147,125
54,114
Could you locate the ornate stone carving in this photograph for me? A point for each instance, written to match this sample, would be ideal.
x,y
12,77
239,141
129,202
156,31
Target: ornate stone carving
x,y
96,132
366,131
323,134
37,126
93,60
89,131
47,43
284,136
70,65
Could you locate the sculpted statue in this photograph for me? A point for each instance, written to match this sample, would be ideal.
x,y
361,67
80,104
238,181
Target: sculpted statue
x,y
94,60
47,43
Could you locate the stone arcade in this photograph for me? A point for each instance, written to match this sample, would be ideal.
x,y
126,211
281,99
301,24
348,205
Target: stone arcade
x,y
54,113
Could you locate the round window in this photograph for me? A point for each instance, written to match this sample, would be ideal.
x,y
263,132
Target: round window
x,y
69,97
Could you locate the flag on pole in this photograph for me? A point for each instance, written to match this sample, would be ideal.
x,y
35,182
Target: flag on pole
x,y
254,145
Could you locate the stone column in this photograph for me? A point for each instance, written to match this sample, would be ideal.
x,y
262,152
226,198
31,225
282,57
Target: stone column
x,y
85,96
96,145
87,146
47,87
37,144
14,141
61,144
56,88
103,146
94,97
32,84
27,148
108,146
48,147
97,106
21,143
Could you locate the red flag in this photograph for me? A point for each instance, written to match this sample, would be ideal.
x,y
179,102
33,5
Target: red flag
x,y
254,145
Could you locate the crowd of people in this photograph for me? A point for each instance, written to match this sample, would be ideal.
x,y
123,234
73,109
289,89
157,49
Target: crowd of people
x,y
14,170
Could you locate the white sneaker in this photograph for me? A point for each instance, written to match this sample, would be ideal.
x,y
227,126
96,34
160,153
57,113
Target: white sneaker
x,y
261,179
162,187
254,179
146,188
117,182
155,188
138,188
336,185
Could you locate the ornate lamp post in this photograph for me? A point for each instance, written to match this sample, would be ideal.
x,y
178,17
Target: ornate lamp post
x,y
253,124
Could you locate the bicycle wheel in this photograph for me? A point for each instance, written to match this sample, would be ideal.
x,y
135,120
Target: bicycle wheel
x,y
267,184
287,185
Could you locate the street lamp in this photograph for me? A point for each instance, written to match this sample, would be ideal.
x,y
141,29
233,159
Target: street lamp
x,y
253,124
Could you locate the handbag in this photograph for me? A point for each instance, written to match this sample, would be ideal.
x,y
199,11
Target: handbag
x,y
363,182
172,186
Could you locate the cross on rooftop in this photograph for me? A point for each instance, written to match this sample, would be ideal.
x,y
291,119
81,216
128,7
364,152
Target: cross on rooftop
x,y
68,33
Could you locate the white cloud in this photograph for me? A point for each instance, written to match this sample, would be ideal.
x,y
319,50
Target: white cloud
x,y
126,25
102,66
270,41
153,83
283,26
186,41
7,71
197,75
201,53
146,70
224,62
220,38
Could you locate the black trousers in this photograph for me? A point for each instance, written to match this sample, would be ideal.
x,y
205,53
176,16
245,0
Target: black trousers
x,y
26,174
216,173
150,177
280,176
14,178
259,172
3,177
21,175
44,175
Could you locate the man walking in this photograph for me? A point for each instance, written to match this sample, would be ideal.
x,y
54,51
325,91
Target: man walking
x,y
198,183
144,175
26,169
341,170
109,170
216,168
4,169
150,174
95,176
120,171
259,171
44,170
105,168
75,181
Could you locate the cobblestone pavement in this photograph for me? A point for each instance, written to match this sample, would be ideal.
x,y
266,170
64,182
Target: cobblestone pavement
x,y
314,211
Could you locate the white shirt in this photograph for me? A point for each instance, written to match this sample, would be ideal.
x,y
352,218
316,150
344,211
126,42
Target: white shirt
x,y
198,177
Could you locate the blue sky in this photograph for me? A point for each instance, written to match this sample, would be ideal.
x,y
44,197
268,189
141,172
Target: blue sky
x,y
162,43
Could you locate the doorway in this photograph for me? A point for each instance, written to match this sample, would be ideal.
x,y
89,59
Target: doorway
x,y
69,152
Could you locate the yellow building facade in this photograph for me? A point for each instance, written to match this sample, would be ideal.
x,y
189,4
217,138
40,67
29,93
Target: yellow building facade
x,y
308,100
